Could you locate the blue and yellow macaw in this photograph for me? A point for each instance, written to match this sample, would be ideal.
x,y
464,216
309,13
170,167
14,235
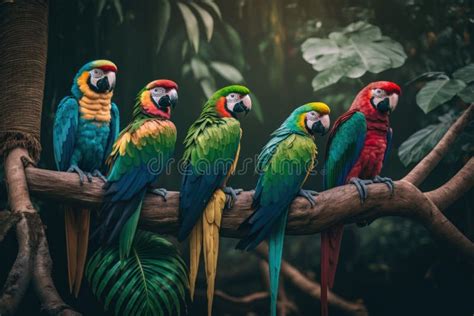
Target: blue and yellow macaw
x,y
284,165
85,127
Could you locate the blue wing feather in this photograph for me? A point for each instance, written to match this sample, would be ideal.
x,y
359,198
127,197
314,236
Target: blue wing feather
x,y
64,132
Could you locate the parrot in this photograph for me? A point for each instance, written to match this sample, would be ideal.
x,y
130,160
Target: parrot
x,y
284,164
357,147
86,125
212,148
139,156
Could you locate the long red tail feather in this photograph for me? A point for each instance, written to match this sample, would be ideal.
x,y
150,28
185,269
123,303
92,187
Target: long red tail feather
x,y
330,246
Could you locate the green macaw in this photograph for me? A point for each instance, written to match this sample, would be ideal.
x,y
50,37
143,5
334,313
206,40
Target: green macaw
x,y
284,165
138,157
211,153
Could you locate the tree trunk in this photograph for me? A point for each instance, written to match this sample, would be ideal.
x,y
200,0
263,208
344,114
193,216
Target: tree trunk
x,y
23,49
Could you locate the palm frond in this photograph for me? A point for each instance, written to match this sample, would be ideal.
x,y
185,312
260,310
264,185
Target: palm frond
x,y
153,280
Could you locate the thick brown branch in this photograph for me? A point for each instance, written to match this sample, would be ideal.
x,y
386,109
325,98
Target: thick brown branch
x,y
33,259
452,190
425,166
338,205
312,288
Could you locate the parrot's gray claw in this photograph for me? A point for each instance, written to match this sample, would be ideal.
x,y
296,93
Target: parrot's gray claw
x,y
160,192
309,195
387,181
89,177
231,196
98,174
77,170
361,186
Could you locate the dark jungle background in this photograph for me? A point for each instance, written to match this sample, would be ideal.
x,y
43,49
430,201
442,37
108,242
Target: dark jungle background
x,y
393,265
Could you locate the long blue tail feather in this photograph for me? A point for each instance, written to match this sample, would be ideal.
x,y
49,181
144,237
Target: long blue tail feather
x,y
275,252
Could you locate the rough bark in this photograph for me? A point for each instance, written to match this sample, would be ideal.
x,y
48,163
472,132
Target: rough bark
x,y
338,205
33,260
23,38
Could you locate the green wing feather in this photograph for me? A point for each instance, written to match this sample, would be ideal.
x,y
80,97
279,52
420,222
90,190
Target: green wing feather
x,y
344,147
211,147
138,158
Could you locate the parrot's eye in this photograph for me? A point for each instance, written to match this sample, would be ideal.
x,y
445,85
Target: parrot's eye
x,y
379,92
233,96
313,115
158,91
97,73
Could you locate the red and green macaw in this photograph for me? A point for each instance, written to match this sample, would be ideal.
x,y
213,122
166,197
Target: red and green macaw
x,y
85,127
139,156
211,153
284,165
357,147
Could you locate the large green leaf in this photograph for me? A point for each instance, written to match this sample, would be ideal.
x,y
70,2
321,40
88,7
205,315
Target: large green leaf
x,y
213,6
163,19
228,72
191,24
422,142
151,281
206,18
467,94
465,74
437,92
358,48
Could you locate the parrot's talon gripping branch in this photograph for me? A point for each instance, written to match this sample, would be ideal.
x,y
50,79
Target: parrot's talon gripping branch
x,y
231,196
361,186
89,177
160,192
96,173
387,181
309,195
76,169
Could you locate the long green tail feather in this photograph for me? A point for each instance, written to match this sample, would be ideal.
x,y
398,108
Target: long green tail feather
x,y
275,253
128,233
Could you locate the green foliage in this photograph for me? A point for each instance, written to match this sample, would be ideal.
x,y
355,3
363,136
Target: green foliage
x,y
420,144
358,48
151,281
443,88
437,92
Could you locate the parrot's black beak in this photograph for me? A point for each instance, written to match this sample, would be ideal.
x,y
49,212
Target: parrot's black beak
x,y
240,107
383,106
103,85
319,128
164,102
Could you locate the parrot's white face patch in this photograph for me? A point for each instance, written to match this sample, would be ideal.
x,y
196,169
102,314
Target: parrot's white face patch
x,y
314,117
231,100
379,95
97,75
157,93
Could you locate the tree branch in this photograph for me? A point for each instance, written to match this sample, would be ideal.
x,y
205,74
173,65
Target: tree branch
x,y
452,190
312,288
418,174
33,259
334,206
